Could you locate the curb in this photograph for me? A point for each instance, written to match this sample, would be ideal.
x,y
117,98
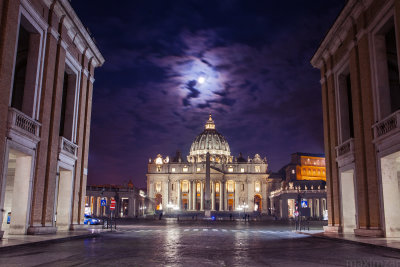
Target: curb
x,y
342,240
50,241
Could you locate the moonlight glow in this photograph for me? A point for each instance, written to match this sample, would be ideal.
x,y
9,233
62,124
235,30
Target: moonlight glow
x,y
201,80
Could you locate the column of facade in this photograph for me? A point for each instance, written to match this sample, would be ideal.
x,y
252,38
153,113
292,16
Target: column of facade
x,y
194,195
367,113
201,196
221,196
212,195
190,195
131,207
237,188
225,196
80,137
178,187
42,212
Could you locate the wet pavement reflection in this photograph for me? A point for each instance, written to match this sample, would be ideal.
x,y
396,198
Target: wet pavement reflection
x,y
200,244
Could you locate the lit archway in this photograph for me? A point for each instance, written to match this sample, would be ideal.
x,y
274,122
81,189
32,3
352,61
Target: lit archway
x,y
257,203
158,201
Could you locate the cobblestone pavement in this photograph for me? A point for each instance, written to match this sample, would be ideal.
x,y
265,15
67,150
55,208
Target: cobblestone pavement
x,y
200,244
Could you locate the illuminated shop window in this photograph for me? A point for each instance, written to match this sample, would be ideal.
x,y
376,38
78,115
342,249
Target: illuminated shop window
x,y
198,169
257,186
241,169
230,169
292,171
173,170
185,169
198,187
258,168
217,187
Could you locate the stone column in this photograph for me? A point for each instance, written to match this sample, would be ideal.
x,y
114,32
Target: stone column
x,y
190,195
194,195
213,196
225,196
221,196
178,187
131,207
237,190
201,196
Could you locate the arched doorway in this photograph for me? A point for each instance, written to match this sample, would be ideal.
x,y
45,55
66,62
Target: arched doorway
x,y
257,203
158,202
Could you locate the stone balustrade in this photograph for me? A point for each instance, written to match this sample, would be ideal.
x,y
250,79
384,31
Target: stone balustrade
x,y
23,124
387,125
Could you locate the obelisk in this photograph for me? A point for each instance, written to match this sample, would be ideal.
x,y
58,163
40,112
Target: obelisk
x,y
207,199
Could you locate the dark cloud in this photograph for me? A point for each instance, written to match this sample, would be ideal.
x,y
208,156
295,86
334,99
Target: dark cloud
x,y
254,55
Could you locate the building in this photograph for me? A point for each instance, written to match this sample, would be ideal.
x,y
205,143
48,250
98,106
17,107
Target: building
x,y
359,64
235,183
131,202
303,178
47,63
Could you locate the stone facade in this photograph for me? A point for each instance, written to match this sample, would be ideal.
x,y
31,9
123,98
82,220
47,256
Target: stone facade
x,y
47,62
235,184
131,202
303,178
359,64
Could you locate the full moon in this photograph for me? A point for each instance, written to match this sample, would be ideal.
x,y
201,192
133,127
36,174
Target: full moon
x,y
201,79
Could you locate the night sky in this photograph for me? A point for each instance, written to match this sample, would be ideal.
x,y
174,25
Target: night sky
x,y
260,88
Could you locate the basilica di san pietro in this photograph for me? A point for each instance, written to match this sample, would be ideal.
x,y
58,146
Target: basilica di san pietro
x,y
236,183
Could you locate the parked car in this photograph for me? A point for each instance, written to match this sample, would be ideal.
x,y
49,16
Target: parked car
x,y
89,219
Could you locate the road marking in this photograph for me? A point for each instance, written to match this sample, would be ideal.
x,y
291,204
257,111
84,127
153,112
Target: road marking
x,y
223,230
186,230
215,230
205,230
195,230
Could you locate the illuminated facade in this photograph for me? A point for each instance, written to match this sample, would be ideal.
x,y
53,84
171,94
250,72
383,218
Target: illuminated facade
x,y
130,201
47,64
236,183
305,175
359,64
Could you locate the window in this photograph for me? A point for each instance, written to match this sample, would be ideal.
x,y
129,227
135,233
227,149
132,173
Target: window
x,y
231,187
198,187
241,169
158,187
217,187
68,104
344,98
293,171
26,68
387,70
258,168
198,169
257,186
185,186
230,169
173,169
185,169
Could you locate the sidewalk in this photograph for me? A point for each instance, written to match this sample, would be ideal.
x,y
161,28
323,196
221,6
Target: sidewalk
x,y
386,242
10,241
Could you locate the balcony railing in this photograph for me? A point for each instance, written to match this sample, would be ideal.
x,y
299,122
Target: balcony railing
x,y
22,123
387,126
345,148
67,146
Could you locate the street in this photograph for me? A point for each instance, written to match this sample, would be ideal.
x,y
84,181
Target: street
x,y
200,243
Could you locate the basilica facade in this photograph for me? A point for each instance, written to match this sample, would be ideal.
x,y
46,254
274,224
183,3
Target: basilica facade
x,y
236,184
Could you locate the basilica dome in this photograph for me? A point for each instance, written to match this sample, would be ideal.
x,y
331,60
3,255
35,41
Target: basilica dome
x,y
210,141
